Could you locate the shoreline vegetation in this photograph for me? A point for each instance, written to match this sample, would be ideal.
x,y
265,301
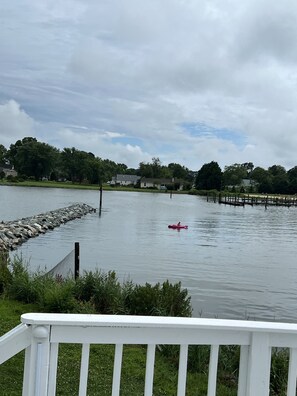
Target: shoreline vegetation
x,y
106,187
102,293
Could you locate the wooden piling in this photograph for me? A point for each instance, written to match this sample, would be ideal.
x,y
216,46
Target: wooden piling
x,y
100,200
76,260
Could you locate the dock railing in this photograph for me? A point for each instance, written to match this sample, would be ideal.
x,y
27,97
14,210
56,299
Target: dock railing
x,y
40,335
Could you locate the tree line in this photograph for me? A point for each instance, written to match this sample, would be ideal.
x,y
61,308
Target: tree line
x,y
274,180
34,159
38,160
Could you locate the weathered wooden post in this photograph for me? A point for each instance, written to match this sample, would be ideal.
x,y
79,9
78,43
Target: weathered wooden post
x,y
100,202
76,260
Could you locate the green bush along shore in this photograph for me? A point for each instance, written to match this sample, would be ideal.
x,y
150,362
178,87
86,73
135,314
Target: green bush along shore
x,y
102,293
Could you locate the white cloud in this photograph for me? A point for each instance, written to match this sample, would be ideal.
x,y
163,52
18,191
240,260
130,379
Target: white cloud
x,y
15,123
101,145
142,70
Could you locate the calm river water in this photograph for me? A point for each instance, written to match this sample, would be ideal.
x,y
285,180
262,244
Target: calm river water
x,y
235,262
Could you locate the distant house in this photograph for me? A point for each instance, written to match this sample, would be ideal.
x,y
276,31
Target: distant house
x,y
125,180
245,184
8,171
162,184
248,183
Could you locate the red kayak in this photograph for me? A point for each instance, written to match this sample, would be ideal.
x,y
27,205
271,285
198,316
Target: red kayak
x,y
177,227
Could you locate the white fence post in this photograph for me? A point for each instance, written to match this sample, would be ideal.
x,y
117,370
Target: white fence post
x,y
39,362
259,365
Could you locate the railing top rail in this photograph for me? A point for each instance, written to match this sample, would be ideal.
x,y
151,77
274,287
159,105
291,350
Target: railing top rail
x,y
14,341
87,320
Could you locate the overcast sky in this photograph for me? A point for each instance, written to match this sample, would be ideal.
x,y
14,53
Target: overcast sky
x,y
188,81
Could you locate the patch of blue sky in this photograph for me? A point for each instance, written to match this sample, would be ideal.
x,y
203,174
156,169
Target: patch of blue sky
x,y
207,131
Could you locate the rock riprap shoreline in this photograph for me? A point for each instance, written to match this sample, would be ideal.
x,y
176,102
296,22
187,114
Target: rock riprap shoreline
x,y
14,233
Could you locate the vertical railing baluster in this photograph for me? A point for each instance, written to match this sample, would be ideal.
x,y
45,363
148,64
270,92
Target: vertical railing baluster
x,y
53,365
213,370
117,368
26,375
84,370
182,371
149,373
292,373
243,370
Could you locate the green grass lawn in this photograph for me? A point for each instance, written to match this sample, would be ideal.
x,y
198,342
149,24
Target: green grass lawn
x,y
81,186
100,369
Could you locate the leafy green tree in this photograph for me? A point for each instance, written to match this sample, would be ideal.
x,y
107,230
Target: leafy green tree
x,y
292,179
111,168
80,165
233,174
209,177
3,154
179,171
14,148
33,158
145,170
249,166
277,170
280,182
93,169
263,180
156,167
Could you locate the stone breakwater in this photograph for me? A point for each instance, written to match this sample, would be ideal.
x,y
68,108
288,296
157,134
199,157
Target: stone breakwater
x,y
14,233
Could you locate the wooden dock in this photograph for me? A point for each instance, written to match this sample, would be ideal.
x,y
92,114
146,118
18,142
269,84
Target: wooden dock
x,y
242,200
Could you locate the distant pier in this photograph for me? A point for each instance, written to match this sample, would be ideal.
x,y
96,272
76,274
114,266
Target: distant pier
x,y
265,200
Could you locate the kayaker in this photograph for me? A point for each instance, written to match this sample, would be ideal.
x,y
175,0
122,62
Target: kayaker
x,y
178,224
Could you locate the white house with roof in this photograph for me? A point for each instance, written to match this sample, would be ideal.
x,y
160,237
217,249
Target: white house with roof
x,y
8,171
161,184
125,180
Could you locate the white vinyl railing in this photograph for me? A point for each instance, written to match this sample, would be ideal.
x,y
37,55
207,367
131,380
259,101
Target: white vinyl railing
x,y
40,336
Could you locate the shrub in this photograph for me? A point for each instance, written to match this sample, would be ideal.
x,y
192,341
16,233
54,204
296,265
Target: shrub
x,y
21,288
85,285
5,275
166,300
59,298
174,301
144,300
12,179
95,292
102,290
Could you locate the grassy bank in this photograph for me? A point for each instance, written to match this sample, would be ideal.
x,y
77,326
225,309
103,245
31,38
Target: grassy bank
x,y
81,186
